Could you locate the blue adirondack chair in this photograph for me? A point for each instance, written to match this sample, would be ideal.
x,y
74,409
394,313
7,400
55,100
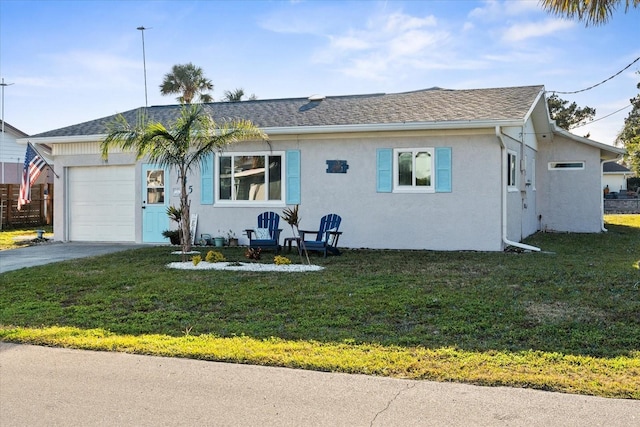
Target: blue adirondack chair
x,y
325,239
267,234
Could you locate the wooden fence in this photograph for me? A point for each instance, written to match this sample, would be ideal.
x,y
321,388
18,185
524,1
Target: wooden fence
x,y
38,212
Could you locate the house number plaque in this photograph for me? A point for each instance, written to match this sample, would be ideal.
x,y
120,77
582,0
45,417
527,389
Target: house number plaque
x,y
337,166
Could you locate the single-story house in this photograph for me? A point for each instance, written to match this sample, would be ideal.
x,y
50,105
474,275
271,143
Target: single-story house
x,y
12,156
615,177
430,169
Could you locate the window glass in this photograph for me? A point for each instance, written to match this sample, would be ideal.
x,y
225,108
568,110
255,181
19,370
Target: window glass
x,y
567,165
275,177
405,168
423,169
414,170
250,177
225,178
511,165
155,186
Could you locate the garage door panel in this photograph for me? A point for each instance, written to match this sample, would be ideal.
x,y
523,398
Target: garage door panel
x,y
102,203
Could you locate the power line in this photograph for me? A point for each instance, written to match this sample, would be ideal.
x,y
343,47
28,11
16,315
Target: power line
x,y
603,117
598,84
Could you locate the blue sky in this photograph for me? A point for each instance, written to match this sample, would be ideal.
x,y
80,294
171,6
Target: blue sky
x,y
74,61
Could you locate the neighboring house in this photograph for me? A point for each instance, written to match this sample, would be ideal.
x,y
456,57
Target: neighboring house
x,y
430,169
12,157
615,177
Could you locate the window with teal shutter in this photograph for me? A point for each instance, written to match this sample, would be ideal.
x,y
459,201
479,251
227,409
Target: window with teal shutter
x,y
384,177
206,181
443,170
293,177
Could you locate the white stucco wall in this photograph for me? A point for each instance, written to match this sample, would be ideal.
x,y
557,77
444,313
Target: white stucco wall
x,y
569,200
468,218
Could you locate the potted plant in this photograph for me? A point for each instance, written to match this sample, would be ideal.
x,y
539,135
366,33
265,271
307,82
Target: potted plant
x,y
231,238
219,239
172,235
174,214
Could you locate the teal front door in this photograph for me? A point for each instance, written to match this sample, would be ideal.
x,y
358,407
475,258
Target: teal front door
x,y
155,200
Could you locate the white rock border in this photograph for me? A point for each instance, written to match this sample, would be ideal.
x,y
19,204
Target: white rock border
x,y
244,266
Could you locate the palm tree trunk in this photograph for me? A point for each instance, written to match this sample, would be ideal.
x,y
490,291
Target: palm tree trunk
x,y
186,215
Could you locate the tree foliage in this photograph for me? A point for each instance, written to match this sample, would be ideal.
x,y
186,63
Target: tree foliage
x,y
183,147
629,137
188,81
568,116
236,95
591,12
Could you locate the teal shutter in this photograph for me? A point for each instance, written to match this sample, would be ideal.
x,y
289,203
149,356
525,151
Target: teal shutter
x,y
206,181
384,166
293,177
443,170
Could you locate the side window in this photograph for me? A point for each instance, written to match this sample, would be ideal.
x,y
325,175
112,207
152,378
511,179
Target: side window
x,y
512,170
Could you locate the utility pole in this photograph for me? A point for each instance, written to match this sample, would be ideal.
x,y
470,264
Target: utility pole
x,y
3,85
144,64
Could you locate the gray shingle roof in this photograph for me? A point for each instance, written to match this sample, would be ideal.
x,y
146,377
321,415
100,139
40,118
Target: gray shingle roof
x,y
429,105
614,167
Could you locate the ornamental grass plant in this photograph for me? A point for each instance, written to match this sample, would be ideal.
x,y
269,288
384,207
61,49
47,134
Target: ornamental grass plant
x,y
564,319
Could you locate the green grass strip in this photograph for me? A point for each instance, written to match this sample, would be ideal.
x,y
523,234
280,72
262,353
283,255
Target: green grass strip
x,y
608,377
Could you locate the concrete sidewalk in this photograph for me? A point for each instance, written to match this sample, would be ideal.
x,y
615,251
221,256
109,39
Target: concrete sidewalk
x,y
31,256
42,386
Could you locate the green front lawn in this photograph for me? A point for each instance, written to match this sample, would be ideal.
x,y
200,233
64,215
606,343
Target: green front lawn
x,y
566,319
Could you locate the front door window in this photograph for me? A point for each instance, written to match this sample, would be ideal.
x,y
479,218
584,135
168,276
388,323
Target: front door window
x,y
155,187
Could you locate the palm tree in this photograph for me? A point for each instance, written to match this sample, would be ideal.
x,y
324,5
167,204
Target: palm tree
x,y
189,81
591,12
183,147
236,95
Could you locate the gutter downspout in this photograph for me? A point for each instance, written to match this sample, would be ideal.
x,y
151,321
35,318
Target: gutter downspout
x,y
505,240
602,227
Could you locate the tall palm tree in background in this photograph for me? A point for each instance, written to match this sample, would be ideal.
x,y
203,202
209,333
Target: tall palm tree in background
x,y
236,95
189,81
183,147
591,12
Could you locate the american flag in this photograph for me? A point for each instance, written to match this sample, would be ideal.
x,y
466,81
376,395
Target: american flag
x,y
33,165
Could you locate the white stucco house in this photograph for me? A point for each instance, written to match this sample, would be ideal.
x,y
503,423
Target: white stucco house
x,y
430,169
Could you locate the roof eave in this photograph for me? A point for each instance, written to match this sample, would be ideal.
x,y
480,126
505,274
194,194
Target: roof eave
x,y
390,127
324,129
606,151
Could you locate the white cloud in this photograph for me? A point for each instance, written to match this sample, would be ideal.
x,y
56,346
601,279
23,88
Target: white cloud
x,y
386,44
522,31
493,10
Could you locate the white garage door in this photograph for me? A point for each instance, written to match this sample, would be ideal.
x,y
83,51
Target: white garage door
x,y
102,203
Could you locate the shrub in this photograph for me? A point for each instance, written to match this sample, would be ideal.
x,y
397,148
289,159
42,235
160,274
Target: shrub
x,y
196,259
214,256
253,253
281,260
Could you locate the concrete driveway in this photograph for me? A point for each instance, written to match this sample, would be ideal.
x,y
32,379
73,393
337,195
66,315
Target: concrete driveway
x,y
31,256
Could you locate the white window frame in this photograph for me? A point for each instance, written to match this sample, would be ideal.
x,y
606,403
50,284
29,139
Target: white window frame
x,y
253,203
571,165
512,171
413,188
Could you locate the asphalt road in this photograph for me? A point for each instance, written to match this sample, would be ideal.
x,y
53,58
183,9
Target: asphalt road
x,y
42,386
